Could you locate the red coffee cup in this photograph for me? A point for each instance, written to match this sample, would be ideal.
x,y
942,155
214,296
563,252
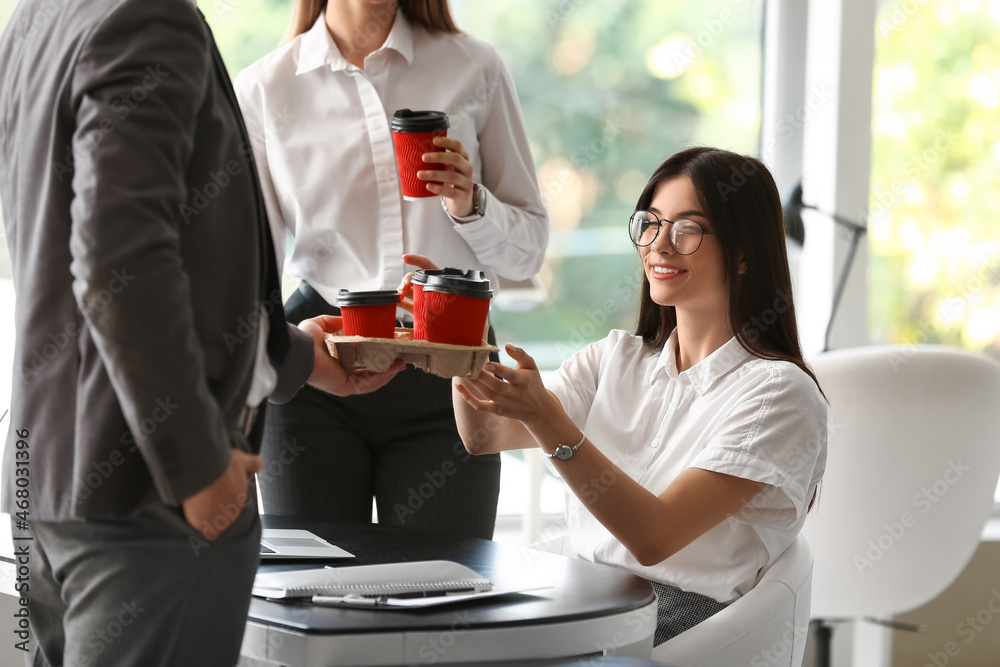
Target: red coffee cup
x,y
417,283
413,134
419,324
371,314
455,306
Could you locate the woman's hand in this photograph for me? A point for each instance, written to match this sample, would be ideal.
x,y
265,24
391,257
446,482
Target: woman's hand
x,y
516,393
328,375
454,184
405,288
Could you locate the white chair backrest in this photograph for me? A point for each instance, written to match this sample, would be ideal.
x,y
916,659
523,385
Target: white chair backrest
x,y
913,460
767,626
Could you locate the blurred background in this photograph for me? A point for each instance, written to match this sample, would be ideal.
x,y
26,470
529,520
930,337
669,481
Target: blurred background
x,y
611,87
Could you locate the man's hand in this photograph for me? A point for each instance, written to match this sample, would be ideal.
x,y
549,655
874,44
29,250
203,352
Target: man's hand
x,y
214,509
328,375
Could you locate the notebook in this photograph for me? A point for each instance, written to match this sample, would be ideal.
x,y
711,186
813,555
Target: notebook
x,y
411,585
289,543
415,578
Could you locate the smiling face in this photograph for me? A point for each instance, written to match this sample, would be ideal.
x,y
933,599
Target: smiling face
x,y
696,283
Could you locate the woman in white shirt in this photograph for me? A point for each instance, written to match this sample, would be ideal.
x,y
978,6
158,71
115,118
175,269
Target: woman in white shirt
x,y
705,431
318,111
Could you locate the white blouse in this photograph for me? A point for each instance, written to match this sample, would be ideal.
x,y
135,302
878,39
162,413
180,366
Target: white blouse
x,y
319,129
732,413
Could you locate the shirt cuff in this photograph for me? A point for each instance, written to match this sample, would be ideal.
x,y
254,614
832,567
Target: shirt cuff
x,y
455,218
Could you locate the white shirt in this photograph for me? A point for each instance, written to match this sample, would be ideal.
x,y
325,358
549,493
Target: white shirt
x,y
732,413
319,127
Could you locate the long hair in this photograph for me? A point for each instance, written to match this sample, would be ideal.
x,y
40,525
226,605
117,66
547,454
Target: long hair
x,y
434,15
739,196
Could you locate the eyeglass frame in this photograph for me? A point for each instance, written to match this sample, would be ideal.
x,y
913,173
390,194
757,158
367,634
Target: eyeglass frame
x,y
659,227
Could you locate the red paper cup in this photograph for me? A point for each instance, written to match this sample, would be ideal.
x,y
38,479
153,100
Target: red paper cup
x,y
455,319
455,304
370,314
419,324
413,134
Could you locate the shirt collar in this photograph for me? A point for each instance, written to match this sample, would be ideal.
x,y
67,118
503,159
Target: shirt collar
x,y
703,374
317,47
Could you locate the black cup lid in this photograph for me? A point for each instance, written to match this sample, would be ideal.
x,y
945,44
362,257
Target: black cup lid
x,y
420,275
406,120
375,298
465,283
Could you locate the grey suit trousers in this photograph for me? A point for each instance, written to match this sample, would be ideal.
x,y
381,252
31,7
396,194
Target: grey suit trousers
x,y
147,590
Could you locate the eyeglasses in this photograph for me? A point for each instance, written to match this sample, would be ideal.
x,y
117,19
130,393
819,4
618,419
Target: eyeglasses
x,y
685,235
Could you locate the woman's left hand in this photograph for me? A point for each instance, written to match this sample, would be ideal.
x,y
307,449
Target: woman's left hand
x,y
454,184
517,393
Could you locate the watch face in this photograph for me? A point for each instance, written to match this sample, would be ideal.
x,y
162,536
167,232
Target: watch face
x,y
563,453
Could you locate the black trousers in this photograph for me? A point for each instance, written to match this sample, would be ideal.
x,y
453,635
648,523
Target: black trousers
x,y
326,457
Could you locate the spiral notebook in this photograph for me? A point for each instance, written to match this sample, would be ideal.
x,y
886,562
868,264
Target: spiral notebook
x,y
386,579
409,584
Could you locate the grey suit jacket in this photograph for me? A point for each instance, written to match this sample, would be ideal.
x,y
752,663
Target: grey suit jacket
x,y
136,230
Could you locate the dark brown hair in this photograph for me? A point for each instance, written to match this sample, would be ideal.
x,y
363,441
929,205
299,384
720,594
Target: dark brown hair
x,y
431,14
741,200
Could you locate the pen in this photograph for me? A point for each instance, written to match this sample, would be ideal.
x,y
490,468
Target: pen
x,y
347,600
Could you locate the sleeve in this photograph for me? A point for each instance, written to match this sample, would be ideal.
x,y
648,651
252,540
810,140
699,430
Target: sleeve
x,y
512,236
297,366
576,381
775,434
128,186
253,107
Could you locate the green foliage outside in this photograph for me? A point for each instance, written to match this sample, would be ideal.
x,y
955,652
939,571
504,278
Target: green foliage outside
x,y
600,115
598,119
934,266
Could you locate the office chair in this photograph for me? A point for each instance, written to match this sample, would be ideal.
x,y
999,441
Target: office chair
x,y
912,463
767,626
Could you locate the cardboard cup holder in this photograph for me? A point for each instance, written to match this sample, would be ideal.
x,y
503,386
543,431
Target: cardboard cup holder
x,y
378,354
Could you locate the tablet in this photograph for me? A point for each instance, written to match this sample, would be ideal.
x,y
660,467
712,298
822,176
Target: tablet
x,y
291,543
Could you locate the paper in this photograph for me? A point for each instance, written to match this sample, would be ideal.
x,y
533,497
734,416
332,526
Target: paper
x,y
416,602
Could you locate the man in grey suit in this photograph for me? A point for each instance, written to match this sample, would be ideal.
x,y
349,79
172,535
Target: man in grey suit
x,y
149,326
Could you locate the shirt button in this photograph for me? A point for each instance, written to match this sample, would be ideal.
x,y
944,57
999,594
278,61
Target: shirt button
x,y
655,443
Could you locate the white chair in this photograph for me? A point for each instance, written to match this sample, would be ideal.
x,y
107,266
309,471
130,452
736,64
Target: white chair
x,y
913,459
767,626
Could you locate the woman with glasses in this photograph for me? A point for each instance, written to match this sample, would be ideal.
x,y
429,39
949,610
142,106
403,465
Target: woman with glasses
x,y
693,447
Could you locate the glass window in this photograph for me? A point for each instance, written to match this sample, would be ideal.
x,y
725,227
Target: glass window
x,y
608,89
934,264
6,299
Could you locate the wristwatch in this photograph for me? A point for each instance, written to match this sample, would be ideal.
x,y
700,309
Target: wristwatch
x,y
565,452
478,205
478,200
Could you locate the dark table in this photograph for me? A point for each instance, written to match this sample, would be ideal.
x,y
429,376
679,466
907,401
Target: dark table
x,y
589,611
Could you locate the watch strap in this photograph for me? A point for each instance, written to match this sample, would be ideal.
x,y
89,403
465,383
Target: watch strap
x,y
565,452
478,205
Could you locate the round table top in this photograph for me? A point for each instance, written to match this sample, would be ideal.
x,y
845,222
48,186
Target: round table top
x,y
579,589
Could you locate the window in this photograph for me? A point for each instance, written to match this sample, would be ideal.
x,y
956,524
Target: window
x,y
934,263
6,299
608,88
